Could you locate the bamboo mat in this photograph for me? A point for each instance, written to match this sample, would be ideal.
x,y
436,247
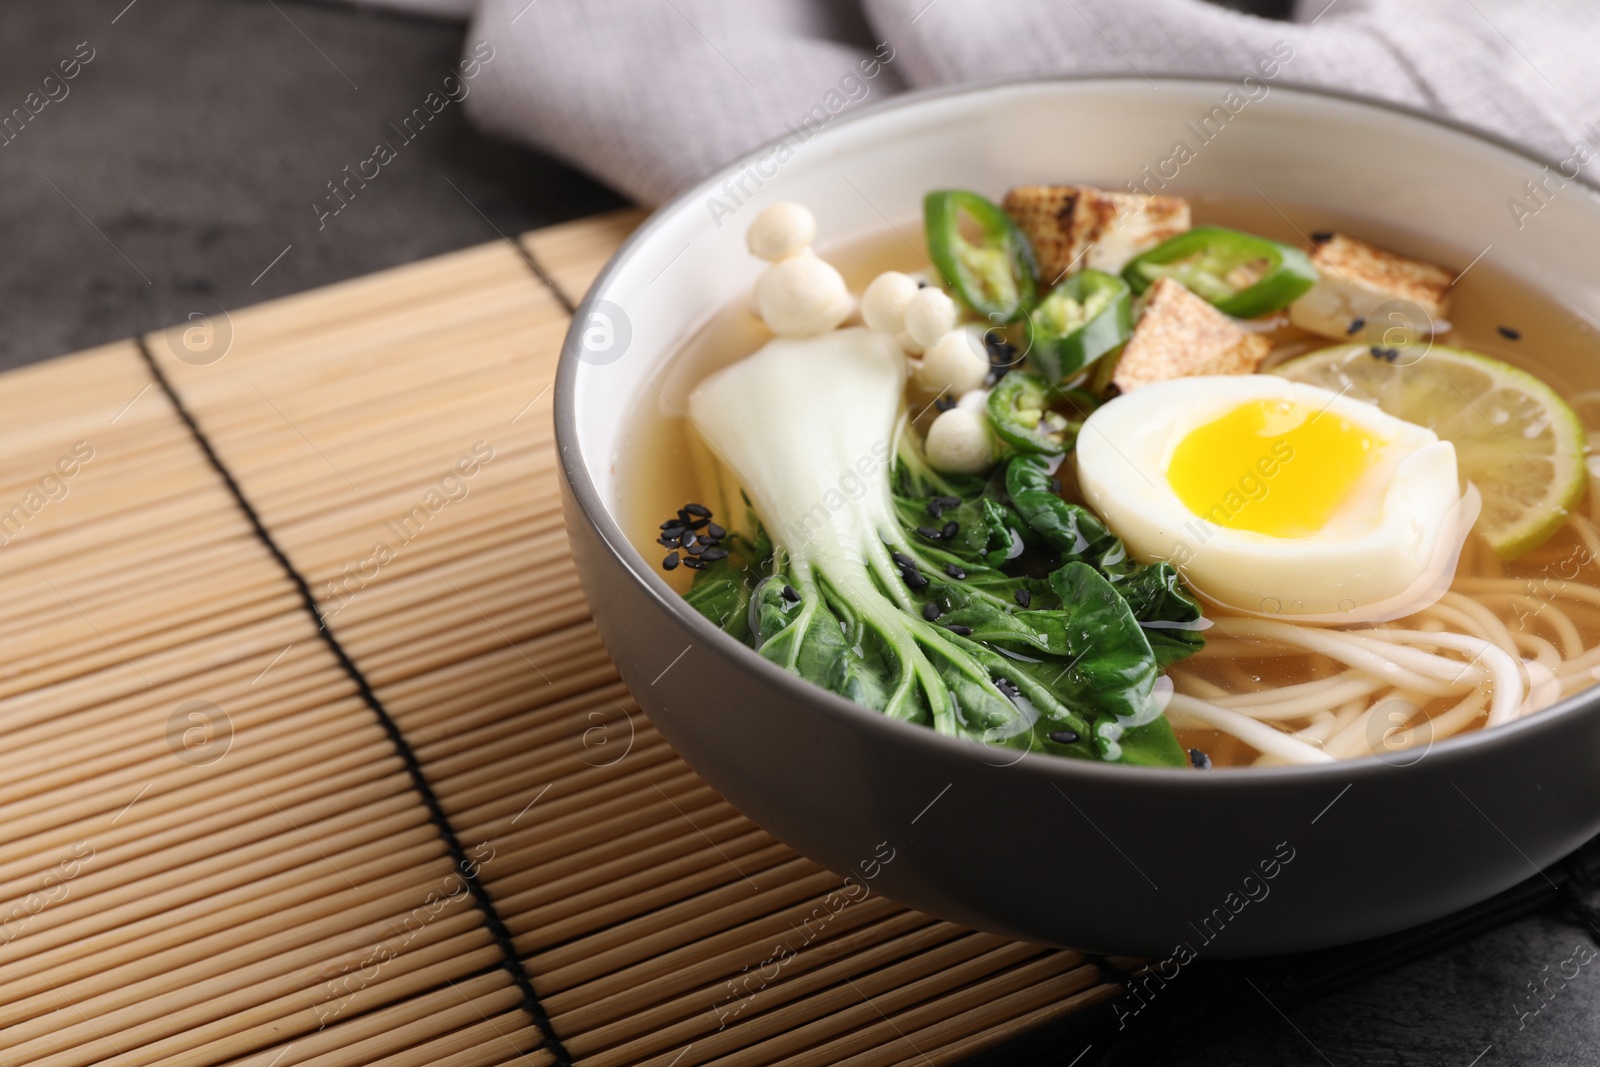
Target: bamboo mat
x,y
438,831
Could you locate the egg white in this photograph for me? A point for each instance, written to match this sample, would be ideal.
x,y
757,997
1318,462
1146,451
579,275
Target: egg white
x,y
1389,549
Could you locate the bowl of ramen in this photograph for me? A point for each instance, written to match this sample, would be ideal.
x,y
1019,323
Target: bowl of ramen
x,y
1151,517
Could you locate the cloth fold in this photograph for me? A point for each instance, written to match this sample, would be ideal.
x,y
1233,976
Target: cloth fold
x,y
650,95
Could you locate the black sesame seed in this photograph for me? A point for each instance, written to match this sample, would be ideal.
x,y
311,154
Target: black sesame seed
x,y
961,631
1322,235
1010,691
915,579
949,530
699,524
1199,760
672,524
1356,325
690,542
1002,353
1063,737
955,572
943,404
921,284
1055,486
790,595
1388,355
929,532
1024,597
930,611
671,562
711,555
715,532
692,563
698,509
1509,334
903,561
667,542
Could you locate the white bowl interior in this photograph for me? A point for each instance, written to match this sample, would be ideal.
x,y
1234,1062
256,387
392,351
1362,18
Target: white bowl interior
x,y
1391,167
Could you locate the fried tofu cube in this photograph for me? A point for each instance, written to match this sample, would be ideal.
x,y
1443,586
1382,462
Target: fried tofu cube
x,y
1356,279
1076,226
1180,335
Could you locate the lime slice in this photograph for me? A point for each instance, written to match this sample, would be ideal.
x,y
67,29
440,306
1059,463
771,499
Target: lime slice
x,y
1515,438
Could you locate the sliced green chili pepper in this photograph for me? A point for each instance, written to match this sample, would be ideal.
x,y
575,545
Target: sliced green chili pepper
x,y
995,277
1239,273
1019,410
1083,318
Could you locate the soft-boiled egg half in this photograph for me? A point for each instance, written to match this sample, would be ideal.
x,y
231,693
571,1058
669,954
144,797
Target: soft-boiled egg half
x,y
1279,498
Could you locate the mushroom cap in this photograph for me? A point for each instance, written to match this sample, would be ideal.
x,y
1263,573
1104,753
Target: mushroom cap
x,y
930,314
883,305
781,230
956,363
802,296
959,442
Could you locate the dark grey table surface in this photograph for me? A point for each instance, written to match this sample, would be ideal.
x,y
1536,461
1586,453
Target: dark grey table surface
x,y
179,172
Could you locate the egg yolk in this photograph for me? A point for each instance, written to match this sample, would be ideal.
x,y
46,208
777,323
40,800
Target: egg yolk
x,y
1275,467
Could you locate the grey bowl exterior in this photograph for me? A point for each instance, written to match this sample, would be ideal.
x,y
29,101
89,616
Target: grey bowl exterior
x,y
1104,858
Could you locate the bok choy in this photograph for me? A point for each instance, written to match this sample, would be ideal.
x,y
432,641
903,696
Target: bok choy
x,y
991,610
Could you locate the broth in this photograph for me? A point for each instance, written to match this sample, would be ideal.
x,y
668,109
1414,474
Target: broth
x,y
657,471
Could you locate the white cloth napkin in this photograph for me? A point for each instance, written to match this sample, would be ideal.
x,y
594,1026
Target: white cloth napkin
x,y
650,95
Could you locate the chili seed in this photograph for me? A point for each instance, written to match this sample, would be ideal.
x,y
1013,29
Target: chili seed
x,y
960,631
930,611
949,530
1024,597
1509,334
671,562
1064,737
955,572
790,595
1199,760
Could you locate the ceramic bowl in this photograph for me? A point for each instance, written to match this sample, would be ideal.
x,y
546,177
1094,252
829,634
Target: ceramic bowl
x,y
1100,857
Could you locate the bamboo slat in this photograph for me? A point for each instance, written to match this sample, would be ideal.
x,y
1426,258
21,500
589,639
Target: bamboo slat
x,y
211,848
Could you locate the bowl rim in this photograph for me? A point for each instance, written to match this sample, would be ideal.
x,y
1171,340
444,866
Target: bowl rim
x,y
1042,764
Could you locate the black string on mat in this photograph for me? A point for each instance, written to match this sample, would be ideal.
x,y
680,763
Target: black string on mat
x,y
419,781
